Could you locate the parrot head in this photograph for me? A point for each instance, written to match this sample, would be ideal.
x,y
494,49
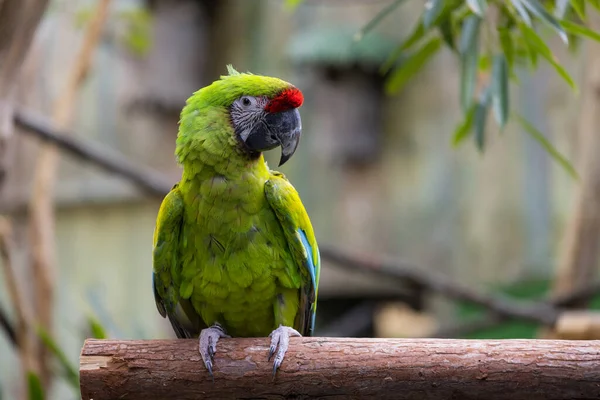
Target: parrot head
x,y
258,113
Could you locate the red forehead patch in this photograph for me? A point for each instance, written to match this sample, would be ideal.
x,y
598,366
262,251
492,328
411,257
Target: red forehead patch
x,y
286,100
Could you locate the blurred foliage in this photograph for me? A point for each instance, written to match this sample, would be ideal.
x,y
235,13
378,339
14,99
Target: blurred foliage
x,y
132,27
491,39
34,387
334,46
96,328
534,289
67,369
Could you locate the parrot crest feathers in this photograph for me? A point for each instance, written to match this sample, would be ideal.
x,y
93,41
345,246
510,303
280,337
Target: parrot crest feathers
x,y
286,100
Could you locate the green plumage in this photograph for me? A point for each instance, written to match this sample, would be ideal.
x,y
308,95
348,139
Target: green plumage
x,y
228,244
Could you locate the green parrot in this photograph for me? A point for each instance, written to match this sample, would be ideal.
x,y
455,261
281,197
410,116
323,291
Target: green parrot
x,y
234,250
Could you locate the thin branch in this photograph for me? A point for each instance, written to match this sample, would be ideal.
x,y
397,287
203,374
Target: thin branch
x,y
8,328
488,322
343,368
41,205
535,312
157,185
18,22
146,179
23,314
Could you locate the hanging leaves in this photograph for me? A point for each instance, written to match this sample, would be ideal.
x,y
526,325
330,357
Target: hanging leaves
x,y
511,39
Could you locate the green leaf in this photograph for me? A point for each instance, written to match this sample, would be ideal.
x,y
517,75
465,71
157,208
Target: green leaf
x,y
579,8
469,37
464,128
377,19
500,101
538,44
292,4
545,143
69,370
485,62
469,48
536,8
412,65
477,6
447,32
96,328
580,30
522,11
561,8
508,47
480,117
433,9
34,387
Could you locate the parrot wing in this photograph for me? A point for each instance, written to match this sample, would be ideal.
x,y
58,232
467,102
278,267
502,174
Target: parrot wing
x,y
298,231
167,268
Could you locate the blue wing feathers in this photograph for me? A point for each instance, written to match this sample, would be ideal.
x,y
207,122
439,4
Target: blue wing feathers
x,y
312,270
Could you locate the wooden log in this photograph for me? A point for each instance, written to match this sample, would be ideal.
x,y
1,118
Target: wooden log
x,y
343,368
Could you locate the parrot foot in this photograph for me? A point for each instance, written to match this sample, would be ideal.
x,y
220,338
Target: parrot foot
x,y
208,345
280,340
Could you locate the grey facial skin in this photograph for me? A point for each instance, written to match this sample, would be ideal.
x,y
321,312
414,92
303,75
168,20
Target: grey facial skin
x,y
261,131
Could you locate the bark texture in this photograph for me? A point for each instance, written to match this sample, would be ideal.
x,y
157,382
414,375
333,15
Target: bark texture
x,y
343,368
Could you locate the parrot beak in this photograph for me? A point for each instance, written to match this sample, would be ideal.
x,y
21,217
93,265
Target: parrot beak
x,y
277,129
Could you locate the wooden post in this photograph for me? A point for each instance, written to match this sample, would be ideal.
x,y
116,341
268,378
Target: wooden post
x,y
579,259
344,368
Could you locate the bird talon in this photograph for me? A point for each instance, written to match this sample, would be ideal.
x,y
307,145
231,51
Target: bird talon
x,y
275,367
280,339
208,346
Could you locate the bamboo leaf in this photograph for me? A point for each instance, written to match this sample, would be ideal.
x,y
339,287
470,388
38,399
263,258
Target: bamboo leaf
x,y
469,48
522,11
447,32
480,117
508,47
537,9
477,6
561,8
464,128
292,3
70,371
34,387
377,19
500,100
545,143
433,9
580,30
469,37
538,44
412,65
579,8
98,331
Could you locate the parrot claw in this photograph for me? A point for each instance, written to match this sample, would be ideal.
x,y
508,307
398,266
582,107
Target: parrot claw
x,y
208,345
280,340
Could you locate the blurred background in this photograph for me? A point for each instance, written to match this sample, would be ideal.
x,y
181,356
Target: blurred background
x,y
376,171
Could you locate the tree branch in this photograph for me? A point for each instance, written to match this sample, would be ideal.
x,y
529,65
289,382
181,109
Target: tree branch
x,y
41,207
342,368
536,312
18,22
8,328
22,329
146,179
463,329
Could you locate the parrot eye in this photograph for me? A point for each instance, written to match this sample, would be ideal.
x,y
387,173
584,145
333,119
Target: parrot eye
x,y
246,101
